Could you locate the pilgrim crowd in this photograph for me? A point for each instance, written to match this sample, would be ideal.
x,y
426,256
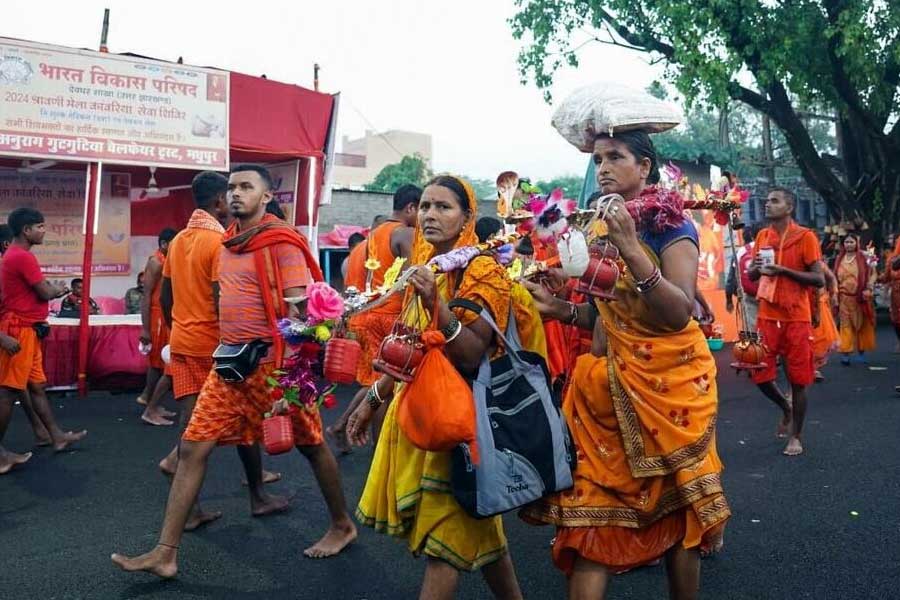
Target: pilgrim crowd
x,y
633,374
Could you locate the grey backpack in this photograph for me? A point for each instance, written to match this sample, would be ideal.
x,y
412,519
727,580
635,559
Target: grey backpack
x,y
524,444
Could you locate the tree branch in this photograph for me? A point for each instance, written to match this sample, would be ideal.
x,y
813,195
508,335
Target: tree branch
x,y
642,40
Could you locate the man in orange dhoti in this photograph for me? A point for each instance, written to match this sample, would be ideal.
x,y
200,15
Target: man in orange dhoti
x,y
155,333
387,242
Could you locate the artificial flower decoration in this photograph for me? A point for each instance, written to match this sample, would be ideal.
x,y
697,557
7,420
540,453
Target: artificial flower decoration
x,y
323,302
372,264
551,215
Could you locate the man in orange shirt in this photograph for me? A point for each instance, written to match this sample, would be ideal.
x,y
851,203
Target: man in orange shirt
x,y
189,299
388,241
155,333
259,252
785,314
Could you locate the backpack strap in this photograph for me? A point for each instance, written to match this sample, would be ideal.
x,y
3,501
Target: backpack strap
x,y
510,339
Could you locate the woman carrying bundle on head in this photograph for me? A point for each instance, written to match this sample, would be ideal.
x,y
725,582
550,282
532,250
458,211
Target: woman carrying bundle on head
x,y
408,493
642,405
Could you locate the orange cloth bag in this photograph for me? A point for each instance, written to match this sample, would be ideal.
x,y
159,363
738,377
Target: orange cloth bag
x,y
437,409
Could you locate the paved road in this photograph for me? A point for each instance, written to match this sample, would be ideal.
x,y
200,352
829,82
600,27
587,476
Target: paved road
x,y
792,535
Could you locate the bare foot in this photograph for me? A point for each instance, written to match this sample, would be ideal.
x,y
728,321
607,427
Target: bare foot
x,y
335,539
141,400
200,517
43,442
8,460
267,504
160,561
268,477
793,448
167,413
784,426
339,436
157,418
68,437
168,466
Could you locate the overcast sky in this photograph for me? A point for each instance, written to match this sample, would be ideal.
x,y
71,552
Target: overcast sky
x,y
444,68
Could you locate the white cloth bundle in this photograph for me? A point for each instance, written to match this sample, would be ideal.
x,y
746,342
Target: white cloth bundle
x,y
610,108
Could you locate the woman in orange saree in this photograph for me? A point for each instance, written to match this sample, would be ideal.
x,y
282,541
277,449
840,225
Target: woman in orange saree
x,y
642,406
407,493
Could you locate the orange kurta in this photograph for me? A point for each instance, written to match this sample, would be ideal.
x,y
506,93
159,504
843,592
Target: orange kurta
x,y
159,331
372,326
780,297
825,336
643,419
356,267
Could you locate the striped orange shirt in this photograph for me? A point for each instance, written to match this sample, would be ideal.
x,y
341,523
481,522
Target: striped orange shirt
x,y
242,314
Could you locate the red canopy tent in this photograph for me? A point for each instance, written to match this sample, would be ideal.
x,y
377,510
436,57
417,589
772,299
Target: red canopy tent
x,y
268,121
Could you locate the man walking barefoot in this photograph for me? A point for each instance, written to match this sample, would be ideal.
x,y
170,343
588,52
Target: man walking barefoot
x,y
259,250
25,308
787,262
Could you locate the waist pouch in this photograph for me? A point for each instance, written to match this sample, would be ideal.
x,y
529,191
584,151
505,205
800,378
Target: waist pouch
x,y
41,329
236,362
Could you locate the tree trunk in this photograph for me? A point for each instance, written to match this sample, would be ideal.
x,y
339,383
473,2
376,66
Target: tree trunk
x,y
769,155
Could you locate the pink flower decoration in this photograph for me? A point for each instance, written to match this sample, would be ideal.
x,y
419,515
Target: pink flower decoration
x,y
323,302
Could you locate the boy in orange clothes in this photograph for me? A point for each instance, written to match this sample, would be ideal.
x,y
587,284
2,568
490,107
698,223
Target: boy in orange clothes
x,y
263,260
390,240
785,313
155,332
26,294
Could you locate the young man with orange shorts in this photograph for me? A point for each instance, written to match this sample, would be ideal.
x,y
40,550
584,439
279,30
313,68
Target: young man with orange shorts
x,y
388,241
259,251
786,262
23,317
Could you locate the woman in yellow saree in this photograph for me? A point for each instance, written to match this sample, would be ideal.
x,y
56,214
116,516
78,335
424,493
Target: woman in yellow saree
x,y
642,406
408,494
856,308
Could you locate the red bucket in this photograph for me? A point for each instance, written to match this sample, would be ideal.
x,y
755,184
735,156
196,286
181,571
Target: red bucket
x,y
278,434
341,359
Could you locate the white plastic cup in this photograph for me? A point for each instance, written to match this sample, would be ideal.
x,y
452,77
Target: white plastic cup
x,y
767,255
573,253
166,354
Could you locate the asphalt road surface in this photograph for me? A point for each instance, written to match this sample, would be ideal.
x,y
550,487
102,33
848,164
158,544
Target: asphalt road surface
x,y
823,526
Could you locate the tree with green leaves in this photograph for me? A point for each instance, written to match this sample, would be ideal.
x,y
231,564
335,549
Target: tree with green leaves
x,y
411,169
779,58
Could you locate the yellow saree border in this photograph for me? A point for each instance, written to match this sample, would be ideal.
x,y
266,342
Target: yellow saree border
x,y
619,516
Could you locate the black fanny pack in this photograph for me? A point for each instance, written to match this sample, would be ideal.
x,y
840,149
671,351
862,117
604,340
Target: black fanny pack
x,y
236,362
41,329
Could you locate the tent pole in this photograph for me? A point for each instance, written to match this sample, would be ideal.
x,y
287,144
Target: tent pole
x,y
92,196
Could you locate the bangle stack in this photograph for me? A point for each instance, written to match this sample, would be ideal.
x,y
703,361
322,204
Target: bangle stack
x,y
373,398
453,329
645,285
